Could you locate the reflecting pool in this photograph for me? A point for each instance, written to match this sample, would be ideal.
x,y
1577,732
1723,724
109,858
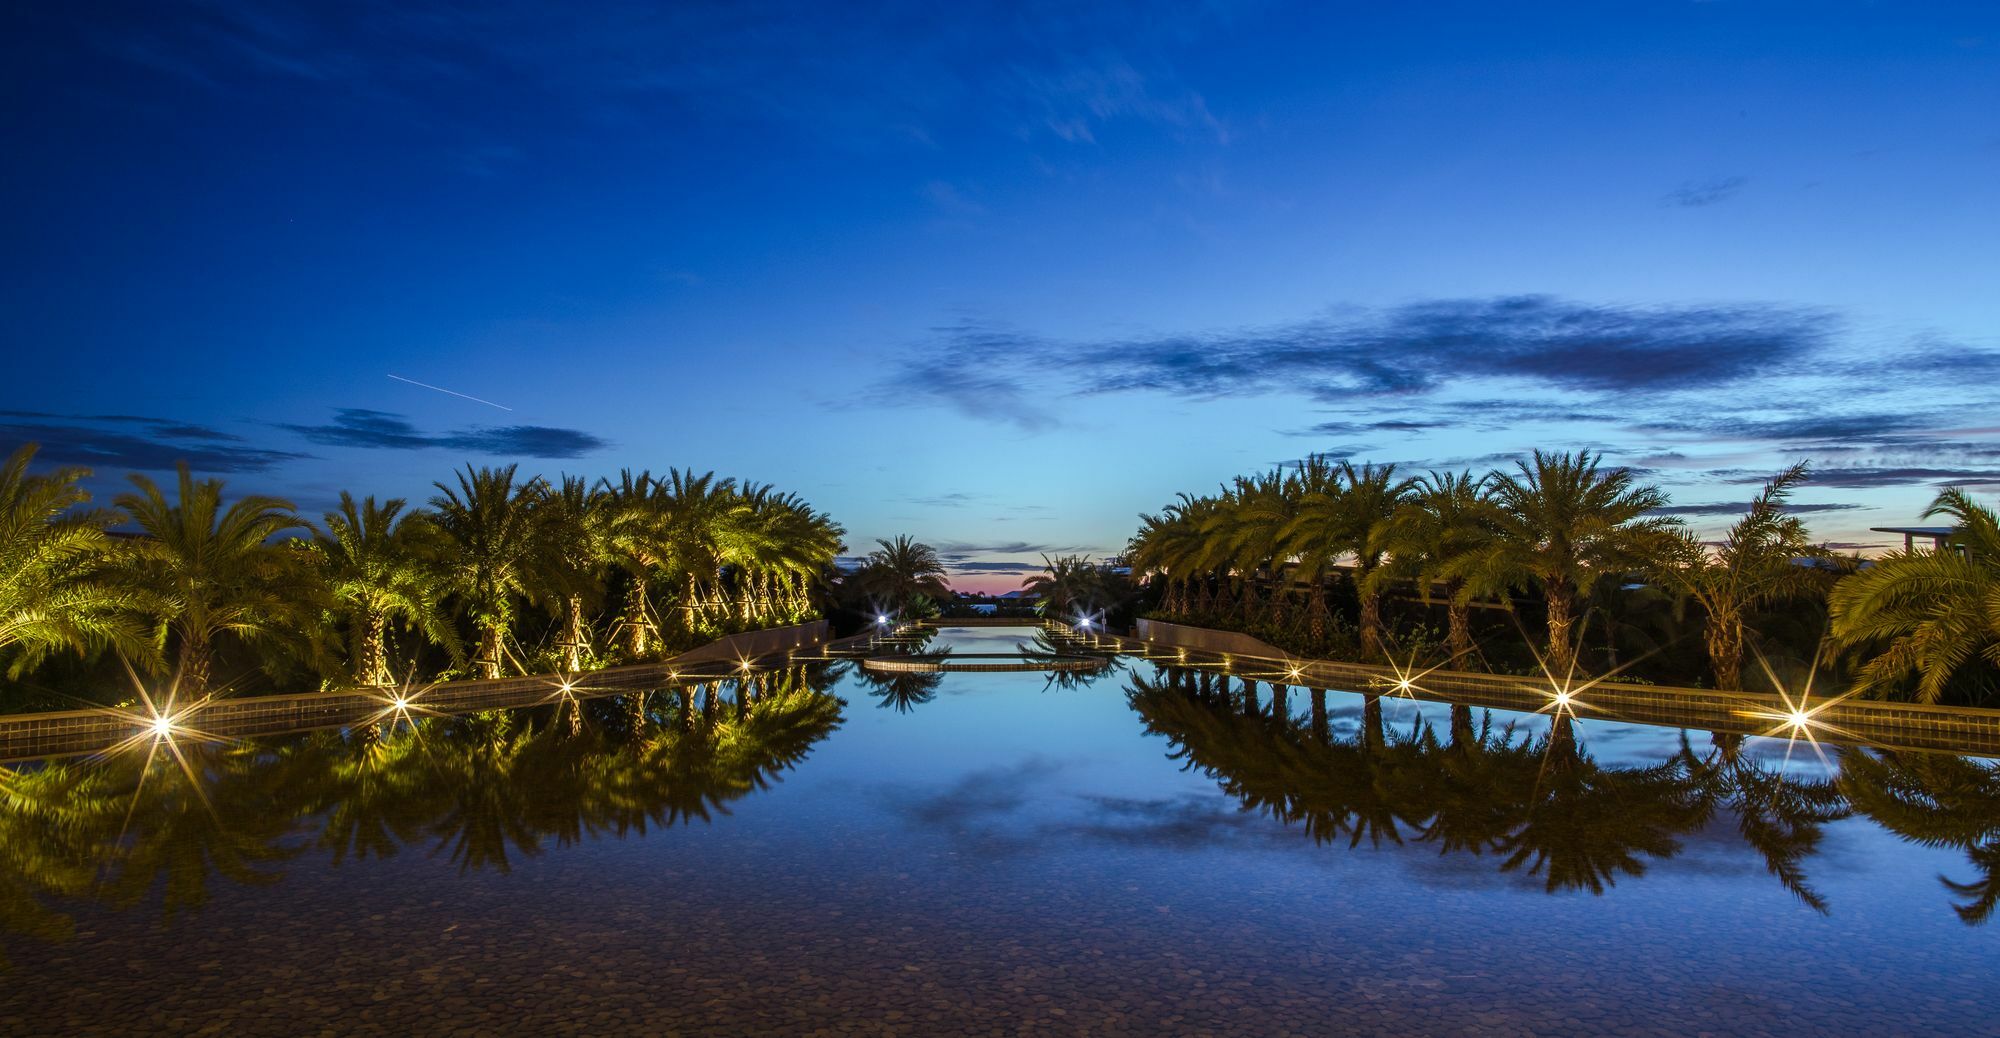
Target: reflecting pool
x,y
1134,851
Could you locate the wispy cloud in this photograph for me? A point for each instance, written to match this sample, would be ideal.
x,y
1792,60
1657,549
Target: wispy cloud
x,y
1697,193
382,430
136,442
1543,341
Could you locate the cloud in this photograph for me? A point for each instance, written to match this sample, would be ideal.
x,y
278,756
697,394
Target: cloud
x,y
1022,568
1740,507
1387,425
1532,341
136,442
1697,193
956,499
382,430
1862,477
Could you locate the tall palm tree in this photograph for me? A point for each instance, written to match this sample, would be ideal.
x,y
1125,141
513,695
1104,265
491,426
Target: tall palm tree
x,y
212,569
380,564
58,583
572,535
1438,537
1756,564
636,541
904,569
702,518
490,523
1565,524
1934,615
1352,522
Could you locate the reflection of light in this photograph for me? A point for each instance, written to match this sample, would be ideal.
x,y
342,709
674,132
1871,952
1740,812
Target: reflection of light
x,y
1408,678
1797,717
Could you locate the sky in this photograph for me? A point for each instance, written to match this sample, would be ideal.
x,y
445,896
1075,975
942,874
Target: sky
x,y
1004,276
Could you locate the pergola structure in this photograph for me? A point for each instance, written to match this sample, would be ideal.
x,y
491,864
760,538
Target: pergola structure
x,y
1940,536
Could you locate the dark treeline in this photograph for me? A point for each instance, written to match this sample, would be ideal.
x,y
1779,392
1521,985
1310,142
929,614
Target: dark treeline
x,y
1563,564
1538,804
498,572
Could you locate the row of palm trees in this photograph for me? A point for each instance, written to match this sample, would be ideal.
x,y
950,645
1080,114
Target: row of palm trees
x,y
688,556
1572,529
1542,805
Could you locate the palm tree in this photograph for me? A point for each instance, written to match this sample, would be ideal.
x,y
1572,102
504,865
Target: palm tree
x,y
211,568
58,586
380,564
1756,564
489,521
636,541
1351,522
1565,524
1934,614
903,570
572,534
1066,583
701,517
1437,537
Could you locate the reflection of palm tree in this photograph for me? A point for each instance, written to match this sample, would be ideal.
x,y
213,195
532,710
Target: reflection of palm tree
x,y
196,812
904,691
1584,825
1459,806
45,817
1939,801
1780,817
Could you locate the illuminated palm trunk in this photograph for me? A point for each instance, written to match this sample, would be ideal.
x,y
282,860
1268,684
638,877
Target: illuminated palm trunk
x,y
573,633
197,663
488,662
1458,623
1562,652
637,626
1371,622
1316,613
374,669
1724,635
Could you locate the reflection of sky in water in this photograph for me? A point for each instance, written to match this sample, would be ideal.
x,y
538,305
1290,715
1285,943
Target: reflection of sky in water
x,y
1005,830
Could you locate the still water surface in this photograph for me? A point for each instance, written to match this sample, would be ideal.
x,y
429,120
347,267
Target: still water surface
x,y
1152,851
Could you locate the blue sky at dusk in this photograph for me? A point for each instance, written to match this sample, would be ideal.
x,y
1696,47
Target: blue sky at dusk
x,y
1003,276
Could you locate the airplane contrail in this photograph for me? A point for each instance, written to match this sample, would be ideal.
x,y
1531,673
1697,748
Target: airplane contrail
x,y
450,392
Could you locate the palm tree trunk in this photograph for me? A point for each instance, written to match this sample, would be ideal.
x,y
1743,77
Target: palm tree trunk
x,y
1371,625
1320,729
1461,726
1458,623
636,622
1725,651
1562,653
573,633
374,669
197,663
489,651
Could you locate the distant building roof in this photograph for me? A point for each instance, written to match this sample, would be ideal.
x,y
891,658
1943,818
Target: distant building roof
x,y
1917,531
